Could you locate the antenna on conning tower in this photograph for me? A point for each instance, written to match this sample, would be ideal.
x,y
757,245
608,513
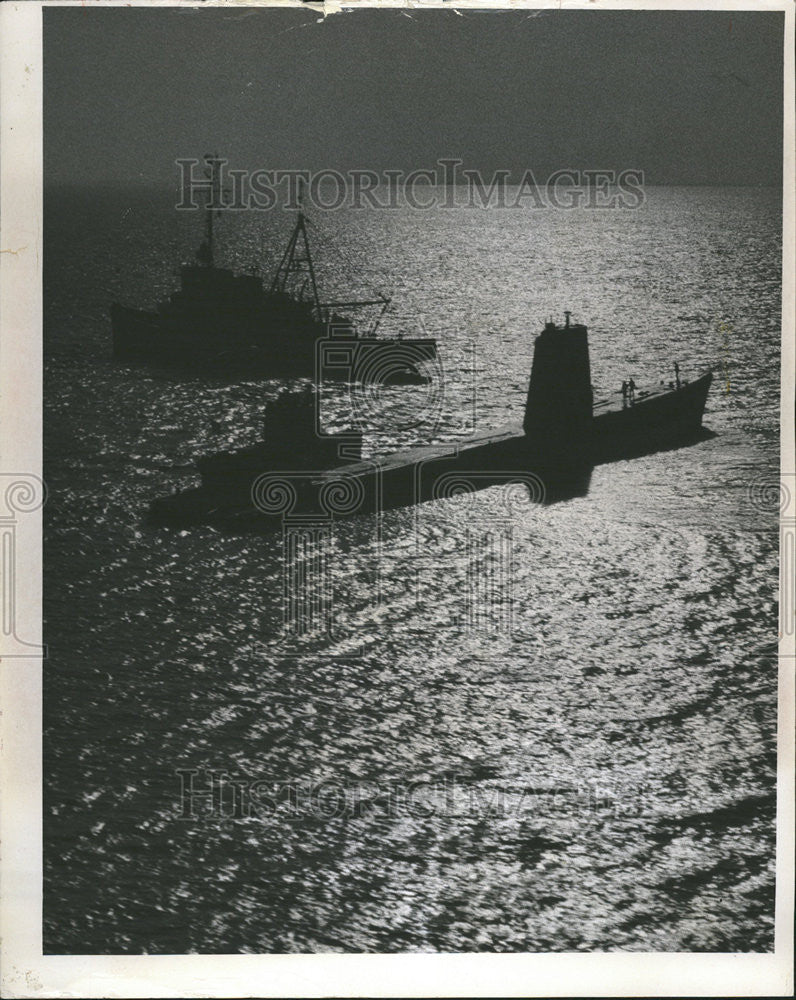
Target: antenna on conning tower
x,y
567,314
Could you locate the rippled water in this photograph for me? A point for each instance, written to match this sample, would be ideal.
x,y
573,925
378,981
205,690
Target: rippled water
x,y
596,774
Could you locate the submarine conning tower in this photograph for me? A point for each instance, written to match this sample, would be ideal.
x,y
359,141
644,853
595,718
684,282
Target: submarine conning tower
x,y
292,428
558,413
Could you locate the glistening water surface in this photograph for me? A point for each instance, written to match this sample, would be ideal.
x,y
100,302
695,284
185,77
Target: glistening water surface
x,y
597,774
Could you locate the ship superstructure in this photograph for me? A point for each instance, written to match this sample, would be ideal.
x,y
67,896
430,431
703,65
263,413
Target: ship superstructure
x,y
222,323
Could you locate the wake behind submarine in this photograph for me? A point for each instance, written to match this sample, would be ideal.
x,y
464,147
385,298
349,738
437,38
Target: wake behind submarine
x,y
298,473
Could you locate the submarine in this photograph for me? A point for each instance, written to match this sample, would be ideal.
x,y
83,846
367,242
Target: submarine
x,y
564,434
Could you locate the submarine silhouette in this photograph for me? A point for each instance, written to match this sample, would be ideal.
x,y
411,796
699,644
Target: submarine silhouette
x,y
298,473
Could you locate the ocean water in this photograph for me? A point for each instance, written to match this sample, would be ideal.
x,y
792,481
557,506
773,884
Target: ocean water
x,y
566,742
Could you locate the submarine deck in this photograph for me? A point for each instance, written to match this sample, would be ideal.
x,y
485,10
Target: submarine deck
x,y
659,418
411,456
490,441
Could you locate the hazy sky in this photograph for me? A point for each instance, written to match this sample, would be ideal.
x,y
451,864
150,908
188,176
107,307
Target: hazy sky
x,y
688,97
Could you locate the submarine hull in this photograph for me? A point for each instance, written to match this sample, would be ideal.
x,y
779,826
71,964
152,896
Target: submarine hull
x,y
655,420
267,496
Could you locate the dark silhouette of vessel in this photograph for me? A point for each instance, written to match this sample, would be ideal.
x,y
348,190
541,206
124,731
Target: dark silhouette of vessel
x,y
565,433
292,441
228,324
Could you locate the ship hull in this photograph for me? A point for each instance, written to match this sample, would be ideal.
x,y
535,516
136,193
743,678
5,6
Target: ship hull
x,y
254,347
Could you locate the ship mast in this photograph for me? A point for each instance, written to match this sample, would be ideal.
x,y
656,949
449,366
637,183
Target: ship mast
x,y
212,206
297,257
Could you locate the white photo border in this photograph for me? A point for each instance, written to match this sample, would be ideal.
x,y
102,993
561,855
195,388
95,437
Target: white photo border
x,y
26,971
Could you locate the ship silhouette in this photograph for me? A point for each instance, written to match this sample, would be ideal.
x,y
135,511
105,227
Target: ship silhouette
x,y
299,473
226,324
